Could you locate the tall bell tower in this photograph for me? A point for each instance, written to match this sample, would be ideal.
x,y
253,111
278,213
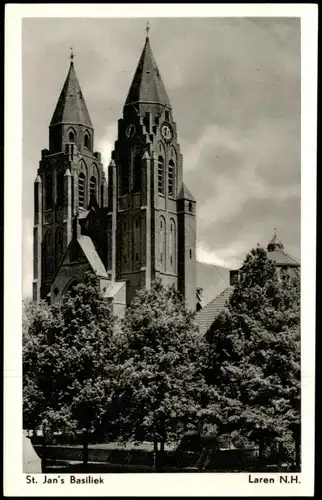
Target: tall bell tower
x,y
155,214
69,176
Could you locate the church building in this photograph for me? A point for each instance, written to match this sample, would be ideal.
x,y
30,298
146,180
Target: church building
x,y
134,226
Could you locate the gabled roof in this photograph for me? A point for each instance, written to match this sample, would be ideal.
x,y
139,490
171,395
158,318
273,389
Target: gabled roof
x,y
71,107
282,258
92,256
184,193
206,316
147,85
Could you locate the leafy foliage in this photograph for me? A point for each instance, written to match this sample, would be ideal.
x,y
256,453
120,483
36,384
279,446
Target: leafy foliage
x,y
159,385
255,351
67,353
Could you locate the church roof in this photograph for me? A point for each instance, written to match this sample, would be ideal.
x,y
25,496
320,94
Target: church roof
x,y
147,85
207,315
71,106
114,288
92,256
185,193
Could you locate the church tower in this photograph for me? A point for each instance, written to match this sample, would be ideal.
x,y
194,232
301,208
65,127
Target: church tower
x,y
70,177
154,213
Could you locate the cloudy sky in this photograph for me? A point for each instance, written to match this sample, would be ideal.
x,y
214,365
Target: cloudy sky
x,y
234,85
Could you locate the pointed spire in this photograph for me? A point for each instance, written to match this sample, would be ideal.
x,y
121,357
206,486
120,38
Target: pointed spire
x,y
147,85
275,243
71,106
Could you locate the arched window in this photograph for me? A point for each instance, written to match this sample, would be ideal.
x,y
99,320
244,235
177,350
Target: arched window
x,y
162,256
190,254
171,178
60,188
49,192
160,175
137,173
81,190
92,187
59,245
172,246
87,141
71,136
190,207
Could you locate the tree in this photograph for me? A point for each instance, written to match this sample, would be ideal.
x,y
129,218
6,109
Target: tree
x,y
159,386
68,360
255,352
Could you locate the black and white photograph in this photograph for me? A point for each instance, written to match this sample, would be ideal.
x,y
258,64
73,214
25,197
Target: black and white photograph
x,y
164,288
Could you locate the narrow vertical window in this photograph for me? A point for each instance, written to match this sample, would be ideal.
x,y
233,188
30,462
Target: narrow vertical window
x,y
92,187
190,207
124,179
59,245
81,190
49,191
102,195
36,199
172,246
60,188
162,244
71,137
160,175
171,178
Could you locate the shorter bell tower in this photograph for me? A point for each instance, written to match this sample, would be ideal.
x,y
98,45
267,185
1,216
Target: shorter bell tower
x,y
70,174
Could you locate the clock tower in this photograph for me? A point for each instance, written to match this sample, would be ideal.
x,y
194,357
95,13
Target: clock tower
x,y
153,226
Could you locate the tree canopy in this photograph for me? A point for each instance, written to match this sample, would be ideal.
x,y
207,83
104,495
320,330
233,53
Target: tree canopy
x,y
255,351
160,385
67,361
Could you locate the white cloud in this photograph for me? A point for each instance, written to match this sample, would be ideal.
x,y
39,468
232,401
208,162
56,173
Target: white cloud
x,y
105,145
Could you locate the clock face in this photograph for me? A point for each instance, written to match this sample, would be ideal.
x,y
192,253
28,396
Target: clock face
x,y
130,131
166,132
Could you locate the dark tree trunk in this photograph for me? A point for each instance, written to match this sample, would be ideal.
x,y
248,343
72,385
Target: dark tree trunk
x,y
85,446
261,448
155,449
161,457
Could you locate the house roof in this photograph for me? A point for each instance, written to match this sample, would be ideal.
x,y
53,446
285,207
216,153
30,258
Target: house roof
x,y
281,258
276,252
92,256
206,316
71,106
147,85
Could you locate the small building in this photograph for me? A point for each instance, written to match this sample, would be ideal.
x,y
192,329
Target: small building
x,y
284,264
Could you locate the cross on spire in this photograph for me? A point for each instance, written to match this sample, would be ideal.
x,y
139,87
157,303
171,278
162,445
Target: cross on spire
x,y
147,29
72,55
